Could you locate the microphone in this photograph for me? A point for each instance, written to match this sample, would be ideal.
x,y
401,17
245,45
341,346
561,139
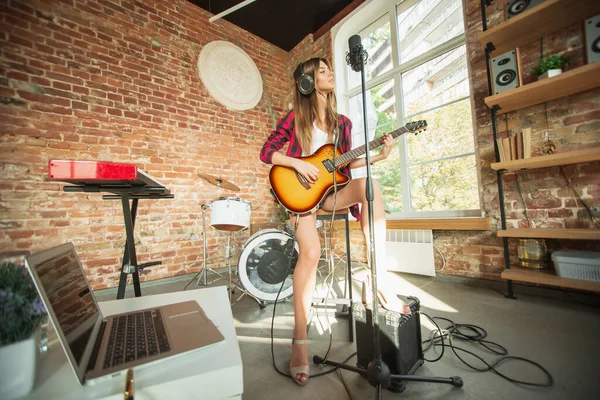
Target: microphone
x,y
356,53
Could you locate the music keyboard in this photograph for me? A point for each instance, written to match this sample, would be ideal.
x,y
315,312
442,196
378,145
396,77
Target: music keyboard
x,y
98,176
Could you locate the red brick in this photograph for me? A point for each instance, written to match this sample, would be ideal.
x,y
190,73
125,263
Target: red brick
x,y
132,102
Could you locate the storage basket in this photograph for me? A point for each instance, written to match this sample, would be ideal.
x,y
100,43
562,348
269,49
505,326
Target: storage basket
x,y
577,264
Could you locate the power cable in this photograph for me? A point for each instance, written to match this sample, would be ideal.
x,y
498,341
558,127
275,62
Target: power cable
x,y
475,334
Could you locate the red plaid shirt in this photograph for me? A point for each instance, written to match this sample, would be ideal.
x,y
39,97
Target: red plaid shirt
x,y
286,132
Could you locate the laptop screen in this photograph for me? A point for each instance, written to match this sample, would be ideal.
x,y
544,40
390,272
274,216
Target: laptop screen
x,y
66,290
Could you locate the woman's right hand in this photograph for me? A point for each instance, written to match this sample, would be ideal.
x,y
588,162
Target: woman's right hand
x,y
307,170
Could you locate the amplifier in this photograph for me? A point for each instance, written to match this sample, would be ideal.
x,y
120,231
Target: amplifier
x,y
400,339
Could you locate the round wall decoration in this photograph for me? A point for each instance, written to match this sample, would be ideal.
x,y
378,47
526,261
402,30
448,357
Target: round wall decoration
x,y
230,75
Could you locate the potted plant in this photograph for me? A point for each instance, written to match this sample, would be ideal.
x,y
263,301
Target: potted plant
x,y
21,312
550,66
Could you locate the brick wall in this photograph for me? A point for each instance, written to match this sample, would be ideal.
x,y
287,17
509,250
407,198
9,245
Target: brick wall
x,y
117,81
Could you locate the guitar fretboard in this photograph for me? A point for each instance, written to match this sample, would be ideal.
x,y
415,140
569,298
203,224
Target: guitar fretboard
x,y
359,151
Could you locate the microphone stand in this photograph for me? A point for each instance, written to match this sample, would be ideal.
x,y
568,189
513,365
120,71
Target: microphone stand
x,y
378,373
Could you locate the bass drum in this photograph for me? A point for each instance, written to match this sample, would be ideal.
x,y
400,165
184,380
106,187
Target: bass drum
x,y
264,264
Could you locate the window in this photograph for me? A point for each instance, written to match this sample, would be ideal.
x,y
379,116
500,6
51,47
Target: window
x,y
416,70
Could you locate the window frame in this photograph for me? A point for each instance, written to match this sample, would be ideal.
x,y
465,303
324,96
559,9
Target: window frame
x,y
360,19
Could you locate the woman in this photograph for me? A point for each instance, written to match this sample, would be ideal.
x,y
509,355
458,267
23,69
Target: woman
x,y
313,123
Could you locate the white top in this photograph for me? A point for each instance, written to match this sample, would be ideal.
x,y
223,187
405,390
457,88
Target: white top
x,y
318,140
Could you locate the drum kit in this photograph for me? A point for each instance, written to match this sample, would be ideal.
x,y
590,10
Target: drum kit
x,y
264,263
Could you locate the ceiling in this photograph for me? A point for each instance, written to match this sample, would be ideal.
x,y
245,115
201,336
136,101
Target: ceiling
x,y
283,23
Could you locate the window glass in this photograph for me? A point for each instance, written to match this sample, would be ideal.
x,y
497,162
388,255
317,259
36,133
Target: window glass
x,y
436,82
381,116
434,172
447,184
449,133
426,25
378,45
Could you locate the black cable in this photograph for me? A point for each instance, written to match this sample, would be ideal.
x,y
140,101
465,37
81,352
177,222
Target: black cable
x,y
518,186
587,208
431,342
336,138
291,253
476,334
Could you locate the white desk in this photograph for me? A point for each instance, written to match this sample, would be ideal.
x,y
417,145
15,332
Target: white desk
x,y
214,372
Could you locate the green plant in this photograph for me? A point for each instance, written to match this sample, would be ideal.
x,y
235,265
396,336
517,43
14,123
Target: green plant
x,y
555,61
20,306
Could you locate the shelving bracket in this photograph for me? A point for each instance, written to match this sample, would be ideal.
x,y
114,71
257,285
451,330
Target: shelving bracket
x,y
490,47
496,108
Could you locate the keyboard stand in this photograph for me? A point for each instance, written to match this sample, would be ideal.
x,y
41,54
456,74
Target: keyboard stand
x,y
130,264
125,189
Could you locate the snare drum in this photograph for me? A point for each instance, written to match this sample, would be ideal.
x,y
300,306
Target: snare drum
x,y
264,265
230,213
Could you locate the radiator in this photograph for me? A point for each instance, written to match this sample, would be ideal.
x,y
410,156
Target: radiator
x,y
410,251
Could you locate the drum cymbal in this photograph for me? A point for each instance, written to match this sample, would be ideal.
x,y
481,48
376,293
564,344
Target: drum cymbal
x,y
218,182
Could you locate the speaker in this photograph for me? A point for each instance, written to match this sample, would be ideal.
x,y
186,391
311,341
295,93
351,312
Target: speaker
x,y
305,83
516,7
592,39
505,71
400,339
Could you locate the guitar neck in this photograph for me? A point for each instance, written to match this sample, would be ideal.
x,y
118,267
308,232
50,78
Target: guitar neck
x,y
359,151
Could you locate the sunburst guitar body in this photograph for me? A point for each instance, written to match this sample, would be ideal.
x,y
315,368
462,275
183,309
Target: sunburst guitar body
x,y
294,192
298,196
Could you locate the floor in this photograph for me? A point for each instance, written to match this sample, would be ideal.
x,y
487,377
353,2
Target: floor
x,y
558,330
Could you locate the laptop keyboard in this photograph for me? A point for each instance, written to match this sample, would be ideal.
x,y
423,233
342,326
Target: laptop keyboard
x,y
136,336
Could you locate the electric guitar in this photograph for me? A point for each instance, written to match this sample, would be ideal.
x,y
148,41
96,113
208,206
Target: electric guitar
x,y
298,196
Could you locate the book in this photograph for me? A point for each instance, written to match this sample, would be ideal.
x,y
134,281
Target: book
x,y
513,147
526,142
519,139
506,148
500,149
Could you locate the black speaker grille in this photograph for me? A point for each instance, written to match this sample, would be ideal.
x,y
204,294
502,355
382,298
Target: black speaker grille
x,y
400,343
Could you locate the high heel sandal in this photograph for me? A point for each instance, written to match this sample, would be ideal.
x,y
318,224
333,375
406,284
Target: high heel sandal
x,y
388,304
303,369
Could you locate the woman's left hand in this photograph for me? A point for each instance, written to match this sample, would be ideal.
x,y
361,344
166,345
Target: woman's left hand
x,y
388,145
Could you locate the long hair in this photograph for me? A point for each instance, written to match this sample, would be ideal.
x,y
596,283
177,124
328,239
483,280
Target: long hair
x,y
305,108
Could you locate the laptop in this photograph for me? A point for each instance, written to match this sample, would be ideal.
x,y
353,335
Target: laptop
x,y
99,347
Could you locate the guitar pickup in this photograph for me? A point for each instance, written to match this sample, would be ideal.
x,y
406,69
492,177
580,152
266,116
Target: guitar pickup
x,y
328,164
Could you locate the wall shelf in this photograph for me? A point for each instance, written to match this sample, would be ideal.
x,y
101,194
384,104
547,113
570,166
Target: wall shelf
x,y
541,20
538,22
434,224
548,278
574,81
551,160
551,233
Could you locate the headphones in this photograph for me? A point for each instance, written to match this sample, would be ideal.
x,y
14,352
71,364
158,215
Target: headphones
x,y
305,83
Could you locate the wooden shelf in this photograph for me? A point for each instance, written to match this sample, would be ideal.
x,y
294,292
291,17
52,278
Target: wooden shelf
x,y
435,224
548,278
574,81
442,224
541,20
551,160
551,233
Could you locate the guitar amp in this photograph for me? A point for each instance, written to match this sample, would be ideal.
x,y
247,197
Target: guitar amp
x,y
400,339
